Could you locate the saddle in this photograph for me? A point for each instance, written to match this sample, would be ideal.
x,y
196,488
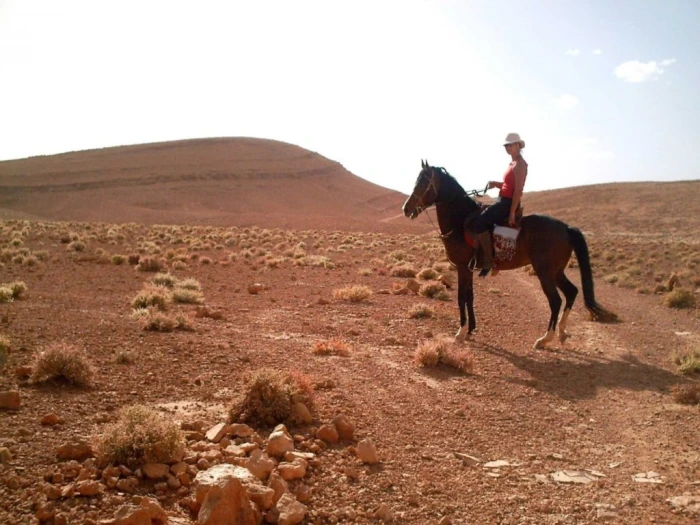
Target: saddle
x,y
503,236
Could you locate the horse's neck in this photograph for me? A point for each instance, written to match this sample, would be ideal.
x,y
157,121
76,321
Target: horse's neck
x,y
451,215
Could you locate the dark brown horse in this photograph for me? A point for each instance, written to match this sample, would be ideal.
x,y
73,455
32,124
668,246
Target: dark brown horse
x,y
544,242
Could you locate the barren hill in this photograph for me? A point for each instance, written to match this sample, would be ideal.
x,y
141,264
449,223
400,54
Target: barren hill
x,y
223,182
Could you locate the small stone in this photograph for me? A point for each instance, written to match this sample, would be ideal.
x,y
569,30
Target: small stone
x,y
50,420
328,433
290,510
215,433
10,400
155,470
77,451
240,430
301,413
89,488
295,470
5,455
279,443
367,452
260,464
384,513
344,426
255,289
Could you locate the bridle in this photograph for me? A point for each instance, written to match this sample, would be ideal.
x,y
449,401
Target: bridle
x,y
421,205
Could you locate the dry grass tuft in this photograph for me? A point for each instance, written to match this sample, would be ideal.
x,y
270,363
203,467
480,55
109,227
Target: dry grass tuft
x,y
687,360
680,298
187,296
353,293
157,321
427,274
421,311
269,397
434,290
149,264
164,279
17,287
5,294
139,436
403,270
430,353
335,346
687,394
61,361
4,351
118,259
157,296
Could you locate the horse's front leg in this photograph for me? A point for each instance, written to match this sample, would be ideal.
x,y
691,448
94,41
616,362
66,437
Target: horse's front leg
x,y
465,296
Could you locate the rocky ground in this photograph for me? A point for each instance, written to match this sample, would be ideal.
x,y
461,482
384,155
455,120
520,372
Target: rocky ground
x,y
583,432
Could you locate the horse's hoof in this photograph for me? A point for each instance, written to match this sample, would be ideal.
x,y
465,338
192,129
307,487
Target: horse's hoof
x,y
539,344
563,336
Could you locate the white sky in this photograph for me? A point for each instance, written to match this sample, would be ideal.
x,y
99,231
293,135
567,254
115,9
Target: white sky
x,y
601,92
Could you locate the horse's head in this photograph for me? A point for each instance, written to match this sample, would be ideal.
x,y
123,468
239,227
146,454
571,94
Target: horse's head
x,y
425,192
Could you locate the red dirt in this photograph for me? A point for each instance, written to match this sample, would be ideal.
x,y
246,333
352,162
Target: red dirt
x,y
602,401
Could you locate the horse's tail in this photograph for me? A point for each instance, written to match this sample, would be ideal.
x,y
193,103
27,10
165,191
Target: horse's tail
x,y
598,313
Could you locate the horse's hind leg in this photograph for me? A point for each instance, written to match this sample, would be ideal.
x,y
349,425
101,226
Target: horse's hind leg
x,y
549,287
570,292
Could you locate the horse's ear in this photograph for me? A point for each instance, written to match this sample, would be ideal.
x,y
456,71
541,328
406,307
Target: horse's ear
x,y
422,163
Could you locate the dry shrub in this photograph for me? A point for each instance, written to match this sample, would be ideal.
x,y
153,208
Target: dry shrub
x,y
5,294
205,260
427,274
149,264
125,357
118,259
139,436
61,361
335,346
680,298
17,287
156,321
353,293
189,284
187,296
164,279
434,290
403,270
76,246
430,353
687,360
687,394
157,296
365,272
269,397
421,311
4,351
133,259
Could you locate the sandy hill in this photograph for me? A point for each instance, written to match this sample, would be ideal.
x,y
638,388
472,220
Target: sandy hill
x,y
245,181
222,182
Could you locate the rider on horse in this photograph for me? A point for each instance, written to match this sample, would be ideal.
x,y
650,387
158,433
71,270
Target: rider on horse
x,y
505,207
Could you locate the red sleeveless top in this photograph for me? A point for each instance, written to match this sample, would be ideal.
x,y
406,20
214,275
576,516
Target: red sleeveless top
x,y
508,188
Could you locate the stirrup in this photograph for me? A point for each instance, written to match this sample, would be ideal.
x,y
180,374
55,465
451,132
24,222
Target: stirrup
x,y
471,265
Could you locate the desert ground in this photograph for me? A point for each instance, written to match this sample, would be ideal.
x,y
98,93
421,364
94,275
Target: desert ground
x,y
602,428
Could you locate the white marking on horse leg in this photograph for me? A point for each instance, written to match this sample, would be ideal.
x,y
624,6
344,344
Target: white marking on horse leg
x,y
539,344
563,334
461,334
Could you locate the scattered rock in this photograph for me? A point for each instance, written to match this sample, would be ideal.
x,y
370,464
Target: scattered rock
x,y
227,502
217,432
384,513
279,443
50,420
573,476
648,477
77,451
260,464
467,460
500,463
687,503
155,470
294,470
367,452
255,289
5,455
89,487
301,413
240,430
290,510
328,433
10,400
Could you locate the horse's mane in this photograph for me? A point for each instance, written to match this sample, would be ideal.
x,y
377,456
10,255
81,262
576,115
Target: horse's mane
x,y
454,189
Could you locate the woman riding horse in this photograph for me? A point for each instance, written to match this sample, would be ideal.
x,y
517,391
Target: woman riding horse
x,y
511,190
544,242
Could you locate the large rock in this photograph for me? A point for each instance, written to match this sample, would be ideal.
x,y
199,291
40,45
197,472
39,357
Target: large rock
x,y
260,464
217,432
328,433
209,478
155,471
227,503
148,512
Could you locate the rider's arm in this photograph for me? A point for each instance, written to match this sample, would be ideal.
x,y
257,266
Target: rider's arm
x,y
495,184
519,173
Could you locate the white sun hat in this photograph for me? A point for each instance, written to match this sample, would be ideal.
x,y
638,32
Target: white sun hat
x,y
512,138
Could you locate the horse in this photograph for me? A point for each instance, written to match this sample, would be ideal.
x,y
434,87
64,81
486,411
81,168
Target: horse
x,y
544,242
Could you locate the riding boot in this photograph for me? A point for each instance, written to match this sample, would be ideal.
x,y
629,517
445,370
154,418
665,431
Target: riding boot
x,y
485,242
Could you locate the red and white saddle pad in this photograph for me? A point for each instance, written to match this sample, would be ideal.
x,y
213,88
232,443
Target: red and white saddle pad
x,y
504,240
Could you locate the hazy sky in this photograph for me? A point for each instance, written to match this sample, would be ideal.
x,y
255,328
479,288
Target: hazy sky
x,y
601,91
